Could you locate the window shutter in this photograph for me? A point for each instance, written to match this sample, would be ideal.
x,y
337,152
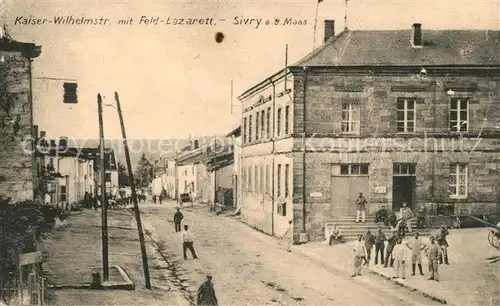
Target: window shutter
x,y
70,94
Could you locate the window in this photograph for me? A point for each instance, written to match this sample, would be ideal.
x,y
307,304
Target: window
x,y
287,176
278,181
459,115
282,209
354,169
268,179
257,179
245,130
406,115
250,128
350,118
458,180
268,123
262,179
287,119
278,123
252,179
257,130
108,177
262,135
62,194
404,169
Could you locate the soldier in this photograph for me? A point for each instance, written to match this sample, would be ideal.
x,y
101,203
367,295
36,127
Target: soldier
x,y
443,243
369,242
391,242
433,252
359,255
361,208
206,293
187,243
416,246
379,245
178,216
399,255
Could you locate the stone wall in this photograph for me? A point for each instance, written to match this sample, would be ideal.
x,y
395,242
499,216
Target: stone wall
x,y
17,166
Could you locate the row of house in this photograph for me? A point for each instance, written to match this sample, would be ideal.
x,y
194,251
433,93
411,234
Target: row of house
x,y
399,115
66,173
204,170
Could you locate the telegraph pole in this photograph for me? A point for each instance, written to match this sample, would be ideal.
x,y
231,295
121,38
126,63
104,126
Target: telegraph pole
x,y
104,204
215,172
134,197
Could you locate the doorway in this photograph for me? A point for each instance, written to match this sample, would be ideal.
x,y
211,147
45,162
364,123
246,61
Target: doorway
x,y
403,186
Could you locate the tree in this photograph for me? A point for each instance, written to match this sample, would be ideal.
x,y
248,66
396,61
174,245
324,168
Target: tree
x,y
144,171
123,178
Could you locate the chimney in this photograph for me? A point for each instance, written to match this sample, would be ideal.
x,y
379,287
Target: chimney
x,y
63,143
329,29
416,35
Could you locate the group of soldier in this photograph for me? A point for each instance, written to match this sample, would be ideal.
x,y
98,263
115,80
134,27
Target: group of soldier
x,y
396,252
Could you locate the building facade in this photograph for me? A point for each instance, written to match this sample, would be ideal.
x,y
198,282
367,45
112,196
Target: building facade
x,y
17,166
417,122
236,142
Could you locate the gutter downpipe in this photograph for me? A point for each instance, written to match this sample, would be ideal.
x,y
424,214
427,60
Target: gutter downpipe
x,y
273,163
304,196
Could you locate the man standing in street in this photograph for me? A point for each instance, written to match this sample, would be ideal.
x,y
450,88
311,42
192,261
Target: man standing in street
x,y
443,243
206,293
399,255
416,246
433,252
178,216
379,245
391,242
187,243
359,255
288,237
369,242
361,208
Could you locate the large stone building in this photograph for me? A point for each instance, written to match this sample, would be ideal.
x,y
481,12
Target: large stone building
x,y
401,116
17,161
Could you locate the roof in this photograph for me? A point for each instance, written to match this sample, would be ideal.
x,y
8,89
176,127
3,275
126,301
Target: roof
x,y
236,132
393,48
29,50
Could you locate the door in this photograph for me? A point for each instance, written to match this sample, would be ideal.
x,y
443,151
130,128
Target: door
x,y
403,186
345,190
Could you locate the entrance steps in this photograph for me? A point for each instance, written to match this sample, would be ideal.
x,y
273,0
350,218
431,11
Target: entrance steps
x,y
350,229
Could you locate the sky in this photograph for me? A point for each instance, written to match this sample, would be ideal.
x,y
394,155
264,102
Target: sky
x,y
174,82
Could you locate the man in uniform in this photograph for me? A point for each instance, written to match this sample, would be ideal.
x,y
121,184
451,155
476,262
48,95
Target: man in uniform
x,y
416,246
399,255
433,252
391,242
361,208
206,293
405,217
443,243
178,216
359,255
379,245
369,242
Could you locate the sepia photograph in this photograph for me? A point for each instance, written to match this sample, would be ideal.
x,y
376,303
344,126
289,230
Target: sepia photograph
x,y
250,152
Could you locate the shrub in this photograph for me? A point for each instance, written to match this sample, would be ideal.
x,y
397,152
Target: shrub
x,y
21,225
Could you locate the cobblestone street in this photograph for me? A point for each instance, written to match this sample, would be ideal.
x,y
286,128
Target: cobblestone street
x,y
249,268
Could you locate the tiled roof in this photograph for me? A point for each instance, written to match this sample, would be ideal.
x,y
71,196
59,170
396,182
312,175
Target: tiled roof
x,y
393,48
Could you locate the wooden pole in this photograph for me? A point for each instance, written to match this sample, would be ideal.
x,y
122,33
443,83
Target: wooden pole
x,y
134,197
104,204
215,172
315,23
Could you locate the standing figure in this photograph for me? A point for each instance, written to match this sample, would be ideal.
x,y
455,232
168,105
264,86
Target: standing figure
x,y
369,242
416,246
361,208
433,252
405,217
206,293
288,237
154,199
379,245
335,235
160,198
420,219
359,255
178,216
443,243
391,242
187,243
399,255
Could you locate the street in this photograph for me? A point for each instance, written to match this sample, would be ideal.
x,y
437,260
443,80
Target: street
x,y
249,268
